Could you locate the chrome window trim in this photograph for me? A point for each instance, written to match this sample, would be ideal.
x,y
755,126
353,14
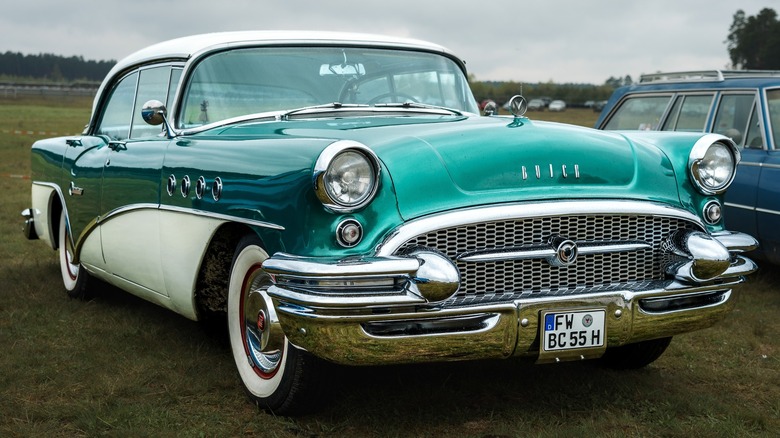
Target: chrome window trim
x,y
523,211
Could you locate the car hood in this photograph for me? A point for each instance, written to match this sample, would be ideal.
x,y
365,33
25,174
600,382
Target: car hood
x,y
438,164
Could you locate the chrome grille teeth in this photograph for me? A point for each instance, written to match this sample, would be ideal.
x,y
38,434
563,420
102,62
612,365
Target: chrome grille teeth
x,y
509,279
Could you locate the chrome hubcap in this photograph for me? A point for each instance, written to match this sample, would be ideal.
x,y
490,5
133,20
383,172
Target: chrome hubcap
x,y
262,333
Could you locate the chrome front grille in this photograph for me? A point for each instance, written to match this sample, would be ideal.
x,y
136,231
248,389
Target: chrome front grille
x,y
505,279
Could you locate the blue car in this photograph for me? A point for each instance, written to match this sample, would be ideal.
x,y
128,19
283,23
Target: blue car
x,y
743,105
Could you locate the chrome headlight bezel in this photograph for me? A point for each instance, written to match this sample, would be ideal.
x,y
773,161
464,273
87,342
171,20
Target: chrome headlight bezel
x,y
325,172
703,163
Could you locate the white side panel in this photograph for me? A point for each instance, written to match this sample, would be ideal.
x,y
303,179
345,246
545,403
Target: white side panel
x,y
131,247
91,254
184,239
41,198
132,288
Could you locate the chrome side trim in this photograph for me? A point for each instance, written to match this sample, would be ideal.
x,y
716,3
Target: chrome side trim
x,y
519,211
751,208
744,207
540,252
193,211
764,210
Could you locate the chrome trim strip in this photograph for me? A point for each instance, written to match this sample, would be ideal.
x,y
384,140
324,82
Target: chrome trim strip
x,y
312,267
761,165
764,210
310,300
744,207
345,314
193,211
223,217
520,211
537,252
750,208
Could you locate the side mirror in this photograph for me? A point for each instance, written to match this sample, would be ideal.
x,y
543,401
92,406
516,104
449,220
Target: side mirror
x,y
154,112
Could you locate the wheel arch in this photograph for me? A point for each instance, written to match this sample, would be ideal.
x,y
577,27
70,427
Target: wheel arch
x,y
211,286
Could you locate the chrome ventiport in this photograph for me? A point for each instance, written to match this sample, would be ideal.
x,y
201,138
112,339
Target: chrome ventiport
x,y
216,189
200,187
185,186
171,186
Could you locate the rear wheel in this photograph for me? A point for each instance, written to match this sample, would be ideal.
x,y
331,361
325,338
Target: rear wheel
x,y
74,277
637,355
277,375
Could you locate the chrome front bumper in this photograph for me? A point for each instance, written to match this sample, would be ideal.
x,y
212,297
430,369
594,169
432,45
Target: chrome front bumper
x,y
372,311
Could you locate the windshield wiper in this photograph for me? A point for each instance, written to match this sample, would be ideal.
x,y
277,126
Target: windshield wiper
x,y
417,105
332,105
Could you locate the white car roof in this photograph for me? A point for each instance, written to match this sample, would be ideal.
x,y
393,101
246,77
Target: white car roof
x,y
186,47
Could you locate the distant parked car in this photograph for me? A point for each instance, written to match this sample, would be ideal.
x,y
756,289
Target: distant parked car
x,y
557,105
536,105
599,105
742,105
338,197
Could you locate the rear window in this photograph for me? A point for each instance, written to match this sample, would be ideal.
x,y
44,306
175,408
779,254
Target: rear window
x,y
643,113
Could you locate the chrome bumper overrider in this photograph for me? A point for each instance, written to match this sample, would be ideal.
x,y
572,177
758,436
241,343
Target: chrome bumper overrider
x,y
383,310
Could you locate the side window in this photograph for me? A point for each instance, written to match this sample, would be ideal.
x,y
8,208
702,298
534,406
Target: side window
x,y
175,77
115,121
152,84
732,117
642,113
753,139
773,103
689,113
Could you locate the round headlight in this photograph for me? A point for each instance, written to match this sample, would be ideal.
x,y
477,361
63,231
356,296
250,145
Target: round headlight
x,y
346,176
349,178
713,165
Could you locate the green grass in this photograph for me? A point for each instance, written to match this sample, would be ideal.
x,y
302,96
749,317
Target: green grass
x,y
119,366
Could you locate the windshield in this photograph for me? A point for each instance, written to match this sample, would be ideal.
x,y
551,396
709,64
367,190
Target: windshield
x,y
257,80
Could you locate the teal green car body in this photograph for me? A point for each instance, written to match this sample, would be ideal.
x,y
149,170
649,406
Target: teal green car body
x,y
244,216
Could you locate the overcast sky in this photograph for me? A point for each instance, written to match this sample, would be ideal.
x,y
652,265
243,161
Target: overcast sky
x,y
581,41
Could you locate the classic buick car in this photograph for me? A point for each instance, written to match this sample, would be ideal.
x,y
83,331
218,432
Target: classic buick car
x,y
338,197
743,105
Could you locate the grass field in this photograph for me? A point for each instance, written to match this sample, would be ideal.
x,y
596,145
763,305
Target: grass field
x,y
119,366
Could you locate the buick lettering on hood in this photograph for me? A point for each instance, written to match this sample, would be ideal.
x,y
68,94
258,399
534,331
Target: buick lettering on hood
x,y
339,197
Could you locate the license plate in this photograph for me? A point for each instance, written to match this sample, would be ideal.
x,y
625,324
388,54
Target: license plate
x,y
572,330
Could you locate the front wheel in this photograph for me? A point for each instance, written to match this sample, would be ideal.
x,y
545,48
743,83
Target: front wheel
x,y
276,375
637,355
74,277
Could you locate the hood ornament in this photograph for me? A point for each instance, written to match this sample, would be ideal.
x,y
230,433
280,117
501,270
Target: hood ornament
x,y
518,105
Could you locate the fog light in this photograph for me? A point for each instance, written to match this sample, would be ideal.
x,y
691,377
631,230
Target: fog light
x,y
349,233
713,212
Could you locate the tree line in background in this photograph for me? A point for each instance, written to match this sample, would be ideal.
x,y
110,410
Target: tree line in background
x,y
52,68
754,42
